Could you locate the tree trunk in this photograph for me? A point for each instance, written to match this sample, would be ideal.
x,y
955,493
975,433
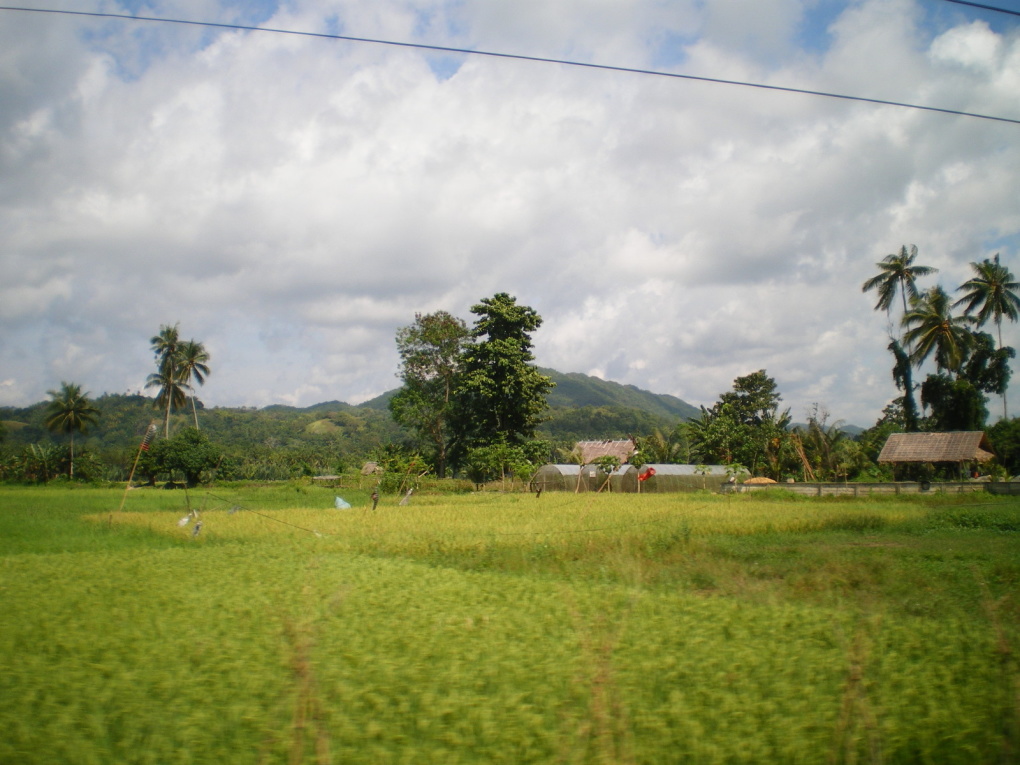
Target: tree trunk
x,y
1005,416
194,408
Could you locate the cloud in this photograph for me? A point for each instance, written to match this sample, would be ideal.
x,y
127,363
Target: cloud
x,y
292,201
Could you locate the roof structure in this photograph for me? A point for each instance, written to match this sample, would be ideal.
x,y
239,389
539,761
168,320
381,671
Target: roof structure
x,y
963,446
593,450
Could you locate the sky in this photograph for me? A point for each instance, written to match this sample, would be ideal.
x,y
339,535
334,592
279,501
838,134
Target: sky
x,y
291,201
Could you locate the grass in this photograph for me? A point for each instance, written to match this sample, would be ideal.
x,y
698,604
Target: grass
x,y
505,628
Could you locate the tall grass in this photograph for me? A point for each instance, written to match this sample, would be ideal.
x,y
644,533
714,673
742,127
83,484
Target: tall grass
x,y
505,628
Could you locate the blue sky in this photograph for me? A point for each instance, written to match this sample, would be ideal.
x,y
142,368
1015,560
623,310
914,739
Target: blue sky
x,y
292,201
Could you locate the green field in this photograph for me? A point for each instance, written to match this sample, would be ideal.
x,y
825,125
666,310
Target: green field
x,y
507,628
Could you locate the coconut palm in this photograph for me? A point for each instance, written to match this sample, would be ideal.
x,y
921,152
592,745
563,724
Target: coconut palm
x,y
166,347
897,273
992,294
170,396
70,411
192,364
663,448
932,329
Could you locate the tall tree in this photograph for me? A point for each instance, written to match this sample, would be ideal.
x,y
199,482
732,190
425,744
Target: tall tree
x,y
501,395
70,411
170,395
745,426
903,376
932,329
897,272
665,448
193,365
166,347
430,359
991,292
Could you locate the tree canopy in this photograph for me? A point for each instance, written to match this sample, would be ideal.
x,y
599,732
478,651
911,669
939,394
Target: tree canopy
x,y
430,362
745,426
501,395
178,363
70,411
897,273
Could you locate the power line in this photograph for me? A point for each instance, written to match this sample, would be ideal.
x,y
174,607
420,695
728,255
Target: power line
x,y
521,57
984,7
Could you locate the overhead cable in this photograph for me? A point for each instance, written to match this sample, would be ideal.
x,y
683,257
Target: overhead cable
x,y
984,7
517,57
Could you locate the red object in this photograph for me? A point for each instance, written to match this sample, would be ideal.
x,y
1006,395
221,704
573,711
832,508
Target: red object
x,y
647,474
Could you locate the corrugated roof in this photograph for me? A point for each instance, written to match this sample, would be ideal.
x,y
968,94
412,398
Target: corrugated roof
x,y
962,446
592,450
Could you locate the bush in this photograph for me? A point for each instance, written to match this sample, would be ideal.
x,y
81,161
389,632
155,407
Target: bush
x,y
189,452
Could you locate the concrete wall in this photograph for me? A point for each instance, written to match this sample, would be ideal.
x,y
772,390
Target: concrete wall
x,y
1002,488
867,489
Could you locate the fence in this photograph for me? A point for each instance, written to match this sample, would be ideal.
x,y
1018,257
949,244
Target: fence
x,y
868,489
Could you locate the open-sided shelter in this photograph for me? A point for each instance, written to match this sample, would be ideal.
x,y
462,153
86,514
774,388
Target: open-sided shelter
x,y
960,447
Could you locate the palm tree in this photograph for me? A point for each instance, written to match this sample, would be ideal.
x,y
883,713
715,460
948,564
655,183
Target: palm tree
x,y
70,411
992,293
897,272
931,325
166,346
171,395
662,448
192,364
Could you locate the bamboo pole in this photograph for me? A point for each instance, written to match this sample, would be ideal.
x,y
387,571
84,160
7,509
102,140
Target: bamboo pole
x,y
144,446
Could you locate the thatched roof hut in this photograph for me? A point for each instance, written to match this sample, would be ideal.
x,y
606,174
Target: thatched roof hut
x,y
592,450
963,446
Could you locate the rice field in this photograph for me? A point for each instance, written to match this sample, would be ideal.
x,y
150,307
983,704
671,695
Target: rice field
x,y
506,628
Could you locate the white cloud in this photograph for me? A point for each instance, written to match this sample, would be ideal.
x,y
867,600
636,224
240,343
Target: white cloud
x,y
292,201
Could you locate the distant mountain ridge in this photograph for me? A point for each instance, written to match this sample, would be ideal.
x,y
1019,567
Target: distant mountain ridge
x,y
575,390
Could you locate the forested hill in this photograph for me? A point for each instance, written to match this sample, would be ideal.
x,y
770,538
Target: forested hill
x,y
575,391
582,407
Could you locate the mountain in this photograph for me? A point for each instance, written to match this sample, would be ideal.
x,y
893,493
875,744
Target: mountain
x,y
577,390
325,406
581,408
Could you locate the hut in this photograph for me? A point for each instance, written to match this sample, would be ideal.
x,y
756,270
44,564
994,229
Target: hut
x,y
959,448
590,451
668,477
